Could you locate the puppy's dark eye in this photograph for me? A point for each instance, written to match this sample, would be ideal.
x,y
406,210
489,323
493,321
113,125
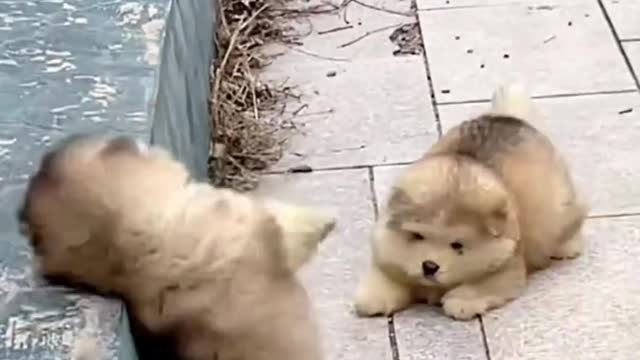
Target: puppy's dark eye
x,y
456,245
416,236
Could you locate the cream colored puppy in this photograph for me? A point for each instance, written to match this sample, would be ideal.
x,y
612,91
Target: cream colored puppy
x,y
212,269
491,201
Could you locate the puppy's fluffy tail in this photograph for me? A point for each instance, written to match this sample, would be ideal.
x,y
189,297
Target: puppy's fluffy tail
x,y
512,100
303,228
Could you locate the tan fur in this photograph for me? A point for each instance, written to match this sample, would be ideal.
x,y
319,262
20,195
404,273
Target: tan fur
x,y
211,267
494,185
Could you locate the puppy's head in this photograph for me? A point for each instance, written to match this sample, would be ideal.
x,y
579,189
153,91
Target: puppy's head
x,y
449,220
79,193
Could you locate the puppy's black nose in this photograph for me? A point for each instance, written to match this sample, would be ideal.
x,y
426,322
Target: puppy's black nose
x,y
429,268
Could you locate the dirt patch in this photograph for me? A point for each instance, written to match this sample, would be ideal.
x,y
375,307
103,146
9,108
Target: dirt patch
x,y
408,40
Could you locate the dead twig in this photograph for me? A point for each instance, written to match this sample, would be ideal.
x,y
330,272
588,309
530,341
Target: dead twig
x,y
330,111
243,142
250,120
298,110
336,29
368,33
318,55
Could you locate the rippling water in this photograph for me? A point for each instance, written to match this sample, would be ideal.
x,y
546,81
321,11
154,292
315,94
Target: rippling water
x,y
73,65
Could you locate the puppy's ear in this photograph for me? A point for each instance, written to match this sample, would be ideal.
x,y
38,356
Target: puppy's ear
x,y
303,228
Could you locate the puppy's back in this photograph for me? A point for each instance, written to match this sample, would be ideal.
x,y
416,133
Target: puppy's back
x,y
530,166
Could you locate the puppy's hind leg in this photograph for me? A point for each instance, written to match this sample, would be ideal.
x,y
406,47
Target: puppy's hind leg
x,y
571,242
303,229
570,249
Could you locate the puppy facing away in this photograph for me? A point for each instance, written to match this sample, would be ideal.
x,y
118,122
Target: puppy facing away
x,y
490,202
212,269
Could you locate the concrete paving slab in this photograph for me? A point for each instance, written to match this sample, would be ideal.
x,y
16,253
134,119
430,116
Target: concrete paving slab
x,y
598,135
384,177
624,16
370,112
424,332
472,49
332,276
357,32
584,309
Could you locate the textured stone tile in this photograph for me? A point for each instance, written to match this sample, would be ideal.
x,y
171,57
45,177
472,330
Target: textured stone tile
x,y
341,36
598,135
563,47
384,177
585,309
424,332
624,16
370,112
333,275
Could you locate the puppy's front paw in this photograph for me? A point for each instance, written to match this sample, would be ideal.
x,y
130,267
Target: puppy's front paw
x,y
378,295
370,304
465,309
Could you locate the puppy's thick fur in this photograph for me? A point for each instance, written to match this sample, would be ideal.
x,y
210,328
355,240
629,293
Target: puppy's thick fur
x,y
490,202
210,268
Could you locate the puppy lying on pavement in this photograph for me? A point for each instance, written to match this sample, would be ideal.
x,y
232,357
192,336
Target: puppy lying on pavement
x,y
212,269
491,202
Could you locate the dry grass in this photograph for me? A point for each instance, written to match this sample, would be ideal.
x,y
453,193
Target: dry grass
x,y
244,143
248,138
247,114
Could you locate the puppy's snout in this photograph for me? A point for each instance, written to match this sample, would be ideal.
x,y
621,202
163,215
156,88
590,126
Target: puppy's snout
x,y
429,268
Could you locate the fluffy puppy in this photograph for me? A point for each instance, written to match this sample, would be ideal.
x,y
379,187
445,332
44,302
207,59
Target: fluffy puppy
x,y
490,202
212,269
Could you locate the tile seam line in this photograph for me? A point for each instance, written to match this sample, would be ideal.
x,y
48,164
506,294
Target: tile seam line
x,y
371,168
393,338
465,7
339,168
391,326
616,37
432,93
614,215
436,112
372,191
542,97
485,340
